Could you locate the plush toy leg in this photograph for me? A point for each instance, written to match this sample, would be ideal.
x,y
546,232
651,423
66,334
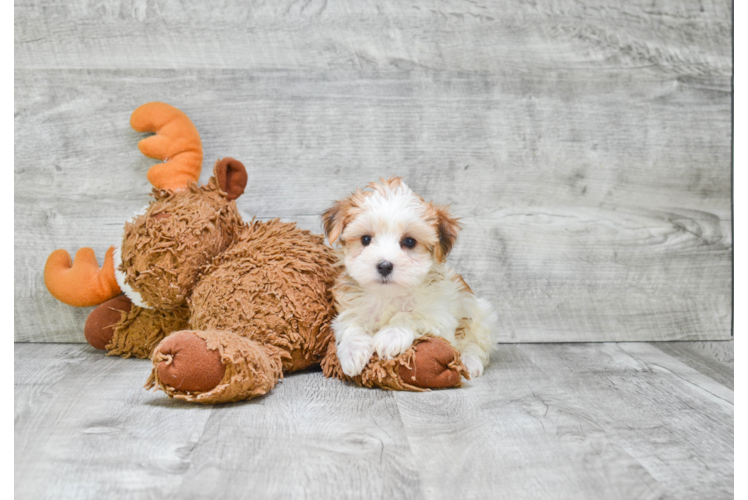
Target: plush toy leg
x,y
214,367
430,363
139,330
99,329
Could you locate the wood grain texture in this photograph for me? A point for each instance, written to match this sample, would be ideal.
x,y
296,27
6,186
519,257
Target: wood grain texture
x,y
587,147
740,370
577,421
315,438
741,449
96,438
714,359
692,37
557,421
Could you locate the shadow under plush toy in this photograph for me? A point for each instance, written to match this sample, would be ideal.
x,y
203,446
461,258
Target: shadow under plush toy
x,y
222,307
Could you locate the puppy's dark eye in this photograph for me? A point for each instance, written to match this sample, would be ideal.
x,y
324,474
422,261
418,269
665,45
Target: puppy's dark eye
x,y
365,240
408,242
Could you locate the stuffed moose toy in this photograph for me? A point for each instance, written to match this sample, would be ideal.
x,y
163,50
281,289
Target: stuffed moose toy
x,y
223,308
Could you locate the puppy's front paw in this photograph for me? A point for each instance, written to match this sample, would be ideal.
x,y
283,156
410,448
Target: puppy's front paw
x,y
354,352
392,341
473,364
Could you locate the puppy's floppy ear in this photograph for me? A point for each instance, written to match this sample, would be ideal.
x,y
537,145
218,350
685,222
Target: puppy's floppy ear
x,y
447,227
334,219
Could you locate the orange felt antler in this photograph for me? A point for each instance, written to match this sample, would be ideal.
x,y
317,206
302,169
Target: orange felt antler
x,y
177,142
81,283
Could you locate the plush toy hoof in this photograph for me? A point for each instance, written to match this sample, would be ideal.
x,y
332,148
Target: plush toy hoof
x,y
99,328
431,366
187,364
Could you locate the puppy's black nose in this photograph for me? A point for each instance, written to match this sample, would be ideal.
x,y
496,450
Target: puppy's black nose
x,y
384,267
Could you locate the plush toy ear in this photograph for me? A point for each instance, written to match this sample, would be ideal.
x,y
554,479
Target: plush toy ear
x,y
447,228
231,176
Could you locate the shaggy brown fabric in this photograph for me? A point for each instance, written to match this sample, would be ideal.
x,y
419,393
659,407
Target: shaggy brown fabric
x,y
231,176
99,328
162,256
272,285
251,369
188,365
389,374
140,330
298,362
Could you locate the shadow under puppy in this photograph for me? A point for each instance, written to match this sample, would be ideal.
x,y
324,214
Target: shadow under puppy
x,y
396,286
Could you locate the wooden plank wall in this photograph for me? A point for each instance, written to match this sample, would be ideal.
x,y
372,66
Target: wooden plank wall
x,y
587,146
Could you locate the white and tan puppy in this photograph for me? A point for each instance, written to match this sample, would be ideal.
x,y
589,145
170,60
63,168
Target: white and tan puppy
x,y
396,285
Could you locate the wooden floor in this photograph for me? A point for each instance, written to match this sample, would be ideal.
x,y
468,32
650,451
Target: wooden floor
x,y
597,421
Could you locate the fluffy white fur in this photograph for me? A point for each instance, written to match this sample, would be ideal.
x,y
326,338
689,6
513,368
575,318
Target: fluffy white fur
x,y
421,295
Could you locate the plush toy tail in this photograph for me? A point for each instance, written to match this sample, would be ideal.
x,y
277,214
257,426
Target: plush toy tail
x,y
177,142
81,282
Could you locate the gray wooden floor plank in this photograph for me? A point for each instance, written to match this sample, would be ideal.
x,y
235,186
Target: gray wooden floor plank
x,y
713,359
678,427
38,370
546,421
310,438
741,449
518,433
99,434
612,423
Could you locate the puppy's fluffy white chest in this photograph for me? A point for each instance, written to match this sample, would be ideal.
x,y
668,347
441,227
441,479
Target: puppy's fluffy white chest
x,y
434,307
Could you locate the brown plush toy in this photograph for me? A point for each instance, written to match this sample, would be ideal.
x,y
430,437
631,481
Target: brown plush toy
x,y
222,307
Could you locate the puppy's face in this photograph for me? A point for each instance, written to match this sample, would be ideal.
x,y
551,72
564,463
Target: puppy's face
x,y
390,236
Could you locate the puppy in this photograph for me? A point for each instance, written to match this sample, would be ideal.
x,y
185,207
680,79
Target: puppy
x,y
396,285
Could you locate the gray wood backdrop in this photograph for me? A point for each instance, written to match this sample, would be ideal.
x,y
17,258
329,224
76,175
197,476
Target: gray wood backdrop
x,y
586,146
